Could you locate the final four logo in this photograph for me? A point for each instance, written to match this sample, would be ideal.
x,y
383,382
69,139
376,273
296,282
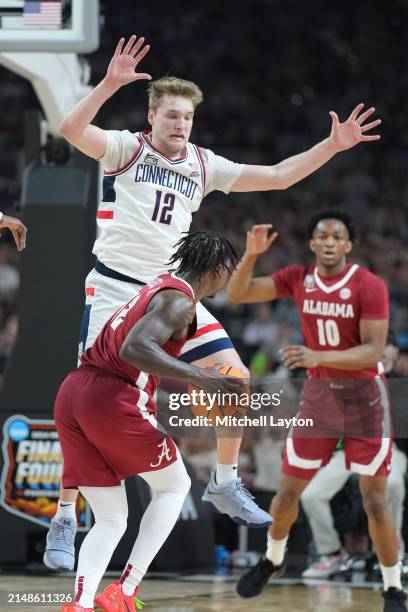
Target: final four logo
x,y
32,468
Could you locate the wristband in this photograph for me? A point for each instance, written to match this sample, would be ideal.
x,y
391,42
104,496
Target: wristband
x,y
1,216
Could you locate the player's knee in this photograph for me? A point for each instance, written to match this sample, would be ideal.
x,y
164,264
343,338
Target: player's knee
x,y
115,525
375,505
309,499
182,484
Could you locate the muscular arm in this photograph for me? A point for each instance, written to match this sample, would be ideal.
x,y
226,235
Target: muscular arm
x,y
373,336
244,289
169,312
76,127
286,173
292,170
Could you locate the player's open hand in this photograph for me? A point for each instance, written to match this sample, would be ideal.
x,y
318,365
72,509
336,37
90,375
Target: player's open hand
x,y
299,357
17,228
259,240
348,134
122,68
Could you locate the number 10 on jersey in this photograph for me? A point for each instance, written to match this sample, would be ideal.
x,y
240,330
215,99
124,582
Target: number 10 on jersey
x,y
328,332
164,206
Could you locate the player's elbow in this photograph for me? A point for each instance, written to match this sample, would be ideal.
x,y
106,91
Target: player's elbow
x,y
64,129
376,352
128,353
67,131
280,179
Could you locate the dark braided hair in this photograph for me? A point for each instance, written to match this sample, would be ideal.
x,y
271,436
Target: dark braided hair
x,y
203,252
332,213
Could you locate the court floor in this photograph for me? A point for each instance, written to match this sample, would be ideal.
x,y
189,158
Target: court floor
x,y
206,594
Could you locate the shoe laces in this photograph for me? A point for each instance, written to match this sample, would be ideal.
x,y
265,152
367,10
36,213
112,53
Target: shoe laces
x,y
64,533
242,489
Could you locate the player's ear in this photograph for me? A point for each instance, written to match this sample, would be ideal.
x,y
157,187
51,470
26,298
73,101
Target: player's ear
x,y
150,116
349,246
312,245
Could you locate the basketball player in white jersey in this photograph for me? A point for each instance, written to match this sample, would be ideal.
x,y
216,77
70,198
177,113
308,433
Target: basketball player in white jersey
x,y
153,182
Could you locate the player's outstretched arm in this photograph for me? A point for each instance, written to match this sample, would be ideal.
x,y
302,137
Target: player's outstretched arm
x,y
373,336
17,228
243,288
171,311
343,136
76,127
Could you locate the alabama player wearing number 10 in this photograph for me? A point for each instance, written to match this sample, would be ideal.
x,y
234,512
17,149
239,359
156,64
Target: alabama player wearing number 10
x,y
154,181
344,311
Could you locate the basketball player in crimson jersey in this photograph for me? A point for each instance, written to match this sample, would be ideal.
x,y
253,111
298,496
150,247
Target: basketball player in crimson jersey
x,y
344,314
106,416
153,182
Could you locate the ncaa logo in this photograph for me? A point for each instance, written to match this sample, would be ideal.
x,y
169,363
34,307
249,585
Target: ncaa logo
x,y
309,281
345,293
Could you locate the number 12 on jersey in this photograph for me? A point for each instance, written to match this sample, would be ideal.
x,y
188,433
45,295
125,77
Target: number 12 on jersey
x,y
328,332
166,210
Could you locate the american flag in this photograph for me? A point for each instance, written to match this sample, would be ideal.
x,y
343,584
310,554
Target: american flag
x,y
42,13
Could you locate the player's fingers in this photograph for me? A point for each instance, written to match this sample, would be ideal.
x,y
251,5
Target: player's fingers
x,y
140,76
137,46
365,115
272,238
16,237
355,112
374,137
335,118
370,126
138,58
129,44
23,236
119,47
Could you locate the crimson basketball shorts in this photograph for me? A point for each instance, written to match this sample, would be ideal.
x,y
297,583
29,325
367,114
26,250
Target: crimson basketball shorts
x,y
108,430
105,295
355,410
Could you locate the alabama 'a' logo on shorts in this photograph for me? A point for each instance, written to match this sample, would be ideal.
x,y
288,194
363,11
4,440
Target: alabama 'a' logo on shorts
x,y
165,453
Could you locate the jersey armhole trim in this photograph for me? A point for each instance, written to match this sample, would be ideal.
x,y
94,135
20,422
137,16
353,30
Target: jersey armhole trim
x,y
133,159
202,166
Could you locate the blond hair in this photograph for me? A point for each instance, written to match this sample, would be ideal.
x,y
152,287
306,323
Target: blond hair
x,y
173,86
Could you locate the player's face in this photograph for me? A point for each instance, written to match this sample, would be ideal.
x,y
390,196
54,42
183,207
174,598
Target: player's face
x,y
330,242
171,124
215,282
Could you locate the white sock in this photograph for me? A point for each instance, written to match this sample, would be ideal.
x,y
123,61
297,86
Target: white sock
x,y
275,551
226,472
391,576
65,510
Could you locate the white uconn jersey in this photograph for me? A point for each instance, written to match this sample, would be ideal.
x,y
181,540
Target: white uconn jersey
x,y
148,200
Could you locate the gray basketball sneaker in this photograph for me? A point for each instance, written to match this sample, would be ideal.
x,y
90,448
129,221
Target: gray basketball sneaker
x,y
235,501
60,550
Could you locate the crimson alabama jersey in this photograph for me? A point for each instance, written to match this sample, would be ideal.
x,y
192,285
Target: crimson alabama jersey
x,y
331,309
104,353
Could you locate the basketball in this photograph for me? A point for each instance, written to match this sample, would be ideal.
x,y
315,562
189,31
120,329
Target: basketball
x,y
203,407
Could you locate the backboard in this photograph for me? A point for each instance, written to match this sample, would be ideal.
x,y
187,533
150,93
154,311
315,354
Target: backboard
x,y
58,26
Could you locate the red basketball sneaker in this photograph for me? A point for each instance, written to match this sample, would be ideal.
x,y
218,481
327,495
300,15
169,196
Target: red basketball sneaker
x,y
112,599
75,607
